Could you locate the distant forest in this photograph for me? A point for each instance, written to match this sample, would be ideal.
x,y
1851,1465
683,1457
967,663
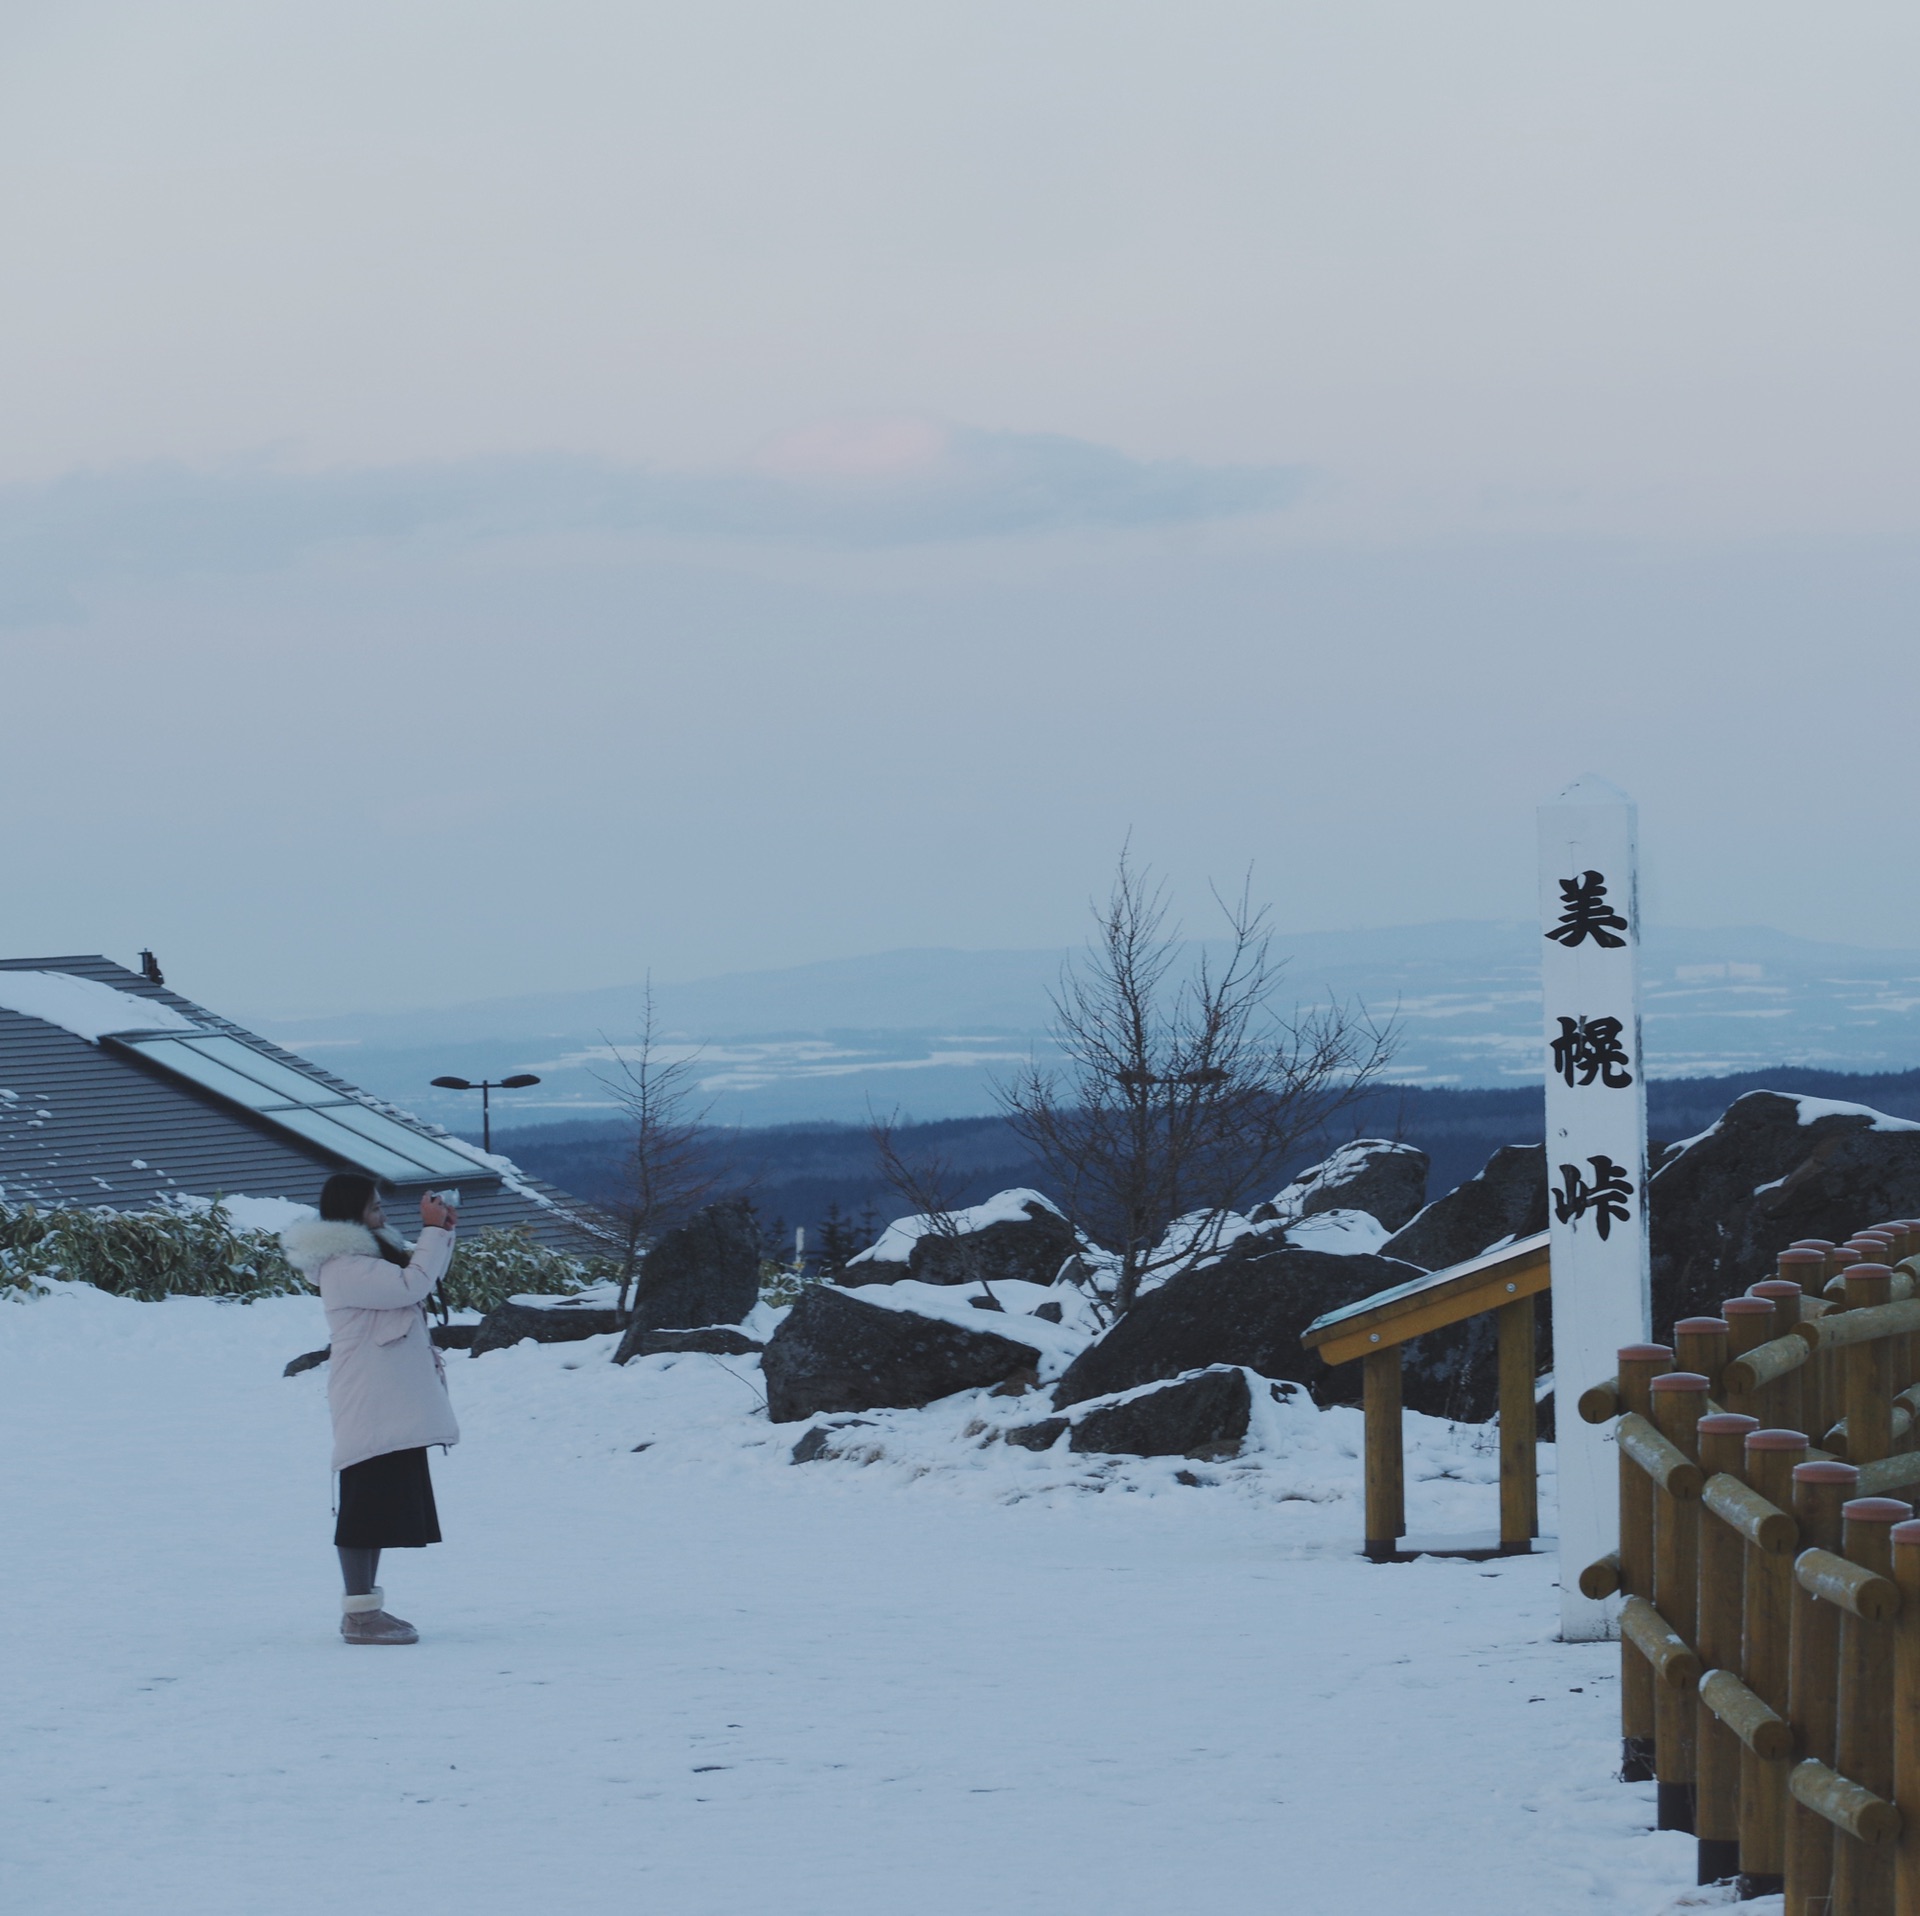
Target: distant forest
x,y
804,1174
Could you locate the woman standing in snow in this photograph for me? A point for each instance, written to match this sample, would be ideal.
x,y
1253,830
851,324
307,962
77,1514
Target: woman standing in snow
x,y
386,1385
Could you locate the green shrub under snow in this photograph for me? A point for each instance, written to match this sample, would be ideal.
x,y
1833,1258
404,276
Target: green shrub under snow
x,y
494,1265
202,1253
144,1254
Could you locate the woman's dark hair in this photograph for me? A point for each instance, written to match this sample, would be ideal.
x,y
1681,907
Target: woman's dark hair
x,y
344,1199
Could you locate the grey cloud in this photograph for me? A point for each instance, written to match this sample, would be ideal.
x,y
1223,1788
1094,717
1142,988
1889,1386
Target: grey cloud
x,y
158,521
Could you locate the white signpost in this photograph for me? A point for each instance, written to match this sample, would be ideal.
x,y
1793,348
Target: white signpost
x,y
1596,1152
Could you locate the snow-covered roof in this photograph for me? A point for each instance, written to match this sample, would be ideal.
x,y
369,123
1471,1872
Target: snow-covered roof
x,y
1433,1280
117,1092
85,1006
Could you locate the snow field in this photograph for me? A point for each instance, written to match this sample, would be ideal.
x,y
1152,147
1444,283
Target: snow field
x,y
696,1680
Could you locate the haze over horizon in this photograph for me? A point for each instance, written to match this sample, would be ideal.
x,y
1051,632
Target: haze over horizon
x,y
500,498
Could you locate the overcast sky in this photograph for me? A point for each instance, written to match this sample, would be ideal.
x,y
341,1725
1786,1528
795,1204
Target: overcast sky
x,y
499,497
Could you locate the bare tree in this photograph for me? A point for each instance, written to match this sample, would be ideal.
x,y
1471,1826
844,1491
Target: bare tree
x,y
666,1170
926,1184
1180,1096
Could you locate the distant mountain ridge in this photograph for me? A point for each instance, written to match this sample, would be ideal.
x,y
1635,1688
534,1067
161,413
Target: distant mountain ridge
x,y
928,1029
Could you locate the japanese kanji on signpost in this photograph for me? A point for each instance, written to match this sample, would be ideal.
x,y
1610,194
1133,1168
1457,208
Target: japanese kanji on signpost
x,y
1596,1147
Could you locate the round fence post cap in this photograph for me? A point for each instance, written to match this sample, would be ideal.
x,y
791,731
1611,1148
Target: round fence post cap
x,y
1746,1306
1876,1510
1682,1380
1700,1326
1774,1287
1826,1470
1646,1353
1906,1536
1777,1440
1729,1423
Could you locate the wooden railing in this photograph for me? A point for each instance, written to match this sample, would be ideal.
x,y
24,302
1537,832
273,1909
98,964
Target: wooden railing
x,y
1770,1628
1504,1283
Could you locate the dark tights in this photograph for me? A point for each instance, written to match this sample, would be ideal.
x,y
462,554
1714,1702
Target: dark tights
x,y
359,1568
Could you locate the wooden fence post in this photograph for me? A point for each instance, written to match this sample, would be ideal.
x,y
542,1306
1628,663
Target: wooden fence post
x,y
1386,1466
1765,1637
1679,1402
1639,1365
1906,1716
1701,1344
1819,1489
1786,1396
1716,1808
1749,1322
1519,1471
1808,1268
1863,1873
1864,1368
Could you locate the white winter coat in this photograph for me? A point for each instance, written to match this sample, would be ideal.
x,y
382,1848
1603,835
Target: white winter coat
x,y
386,1386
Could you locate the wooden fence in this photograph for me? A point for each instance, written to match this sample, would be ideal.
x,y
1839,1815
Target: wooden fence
x,y
1502,1284
1770,1629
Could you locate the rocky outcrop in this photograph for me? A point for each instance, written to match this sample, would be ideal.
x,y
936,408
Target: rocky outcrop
x,y
1775,1168
718,1340
1248,1309
446,1337
706,1272
1507,1198
1388,1181
839,1353
1202,1415
1014,1235
555,1320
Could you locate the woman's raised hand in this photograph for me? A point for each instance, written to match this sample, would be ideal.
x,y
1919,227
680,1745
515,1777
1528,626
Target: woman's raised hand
x,y
437,1214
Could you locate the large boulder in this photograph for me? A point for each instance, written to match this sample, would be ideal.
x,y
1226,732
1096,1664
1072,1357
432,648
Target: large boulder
x,y
1250,1308
547,1320
1506,1199
1204,1415
706,1272
717,1340
838,1353
1015,1235
1388,1181
1454,1373
1775,1168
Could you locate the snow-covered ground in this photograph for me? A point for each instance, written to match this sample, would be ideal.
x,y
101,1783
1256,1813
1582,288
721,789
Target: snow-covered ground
x,y
940,1676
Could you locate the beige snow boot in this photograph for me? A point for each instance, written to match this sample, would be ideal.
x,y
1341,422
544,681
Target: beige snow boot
x,y
363,1621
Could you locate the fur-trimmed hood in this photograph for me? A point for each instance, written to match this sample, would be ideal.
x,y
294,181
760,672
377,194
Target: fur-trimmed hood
x,y
310,1241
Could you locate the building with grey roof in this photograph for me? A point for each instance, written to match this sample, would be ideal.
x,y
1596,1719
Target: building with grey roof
x,y
115,1091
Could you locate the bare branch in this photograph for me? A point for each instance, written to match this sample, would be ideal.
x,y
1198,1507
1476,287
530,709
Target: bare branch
x,y
1178,1100
666,1171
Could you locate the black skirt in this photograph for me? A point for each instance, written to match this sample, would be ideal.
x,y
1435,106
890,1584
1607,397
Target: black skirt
x,y
386,1503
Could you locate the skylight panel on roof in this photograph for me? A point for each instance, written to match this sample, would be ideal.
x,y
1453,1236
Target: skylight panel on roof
x,y
190,1062
321,1113
290,1086
426,1152
318,1127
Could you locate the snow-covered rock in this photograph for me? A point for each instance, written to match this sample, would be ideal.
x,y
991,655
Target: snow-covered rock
x,y
1774,1168
1247,1310
1204,1414
837,1352
1375,1175
705,1272
547,1320
1015,1235
1506,1198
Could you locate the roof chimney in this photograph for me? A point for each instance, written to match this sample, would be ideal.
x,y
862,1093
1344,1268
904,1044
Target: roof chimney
x,y
150,969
